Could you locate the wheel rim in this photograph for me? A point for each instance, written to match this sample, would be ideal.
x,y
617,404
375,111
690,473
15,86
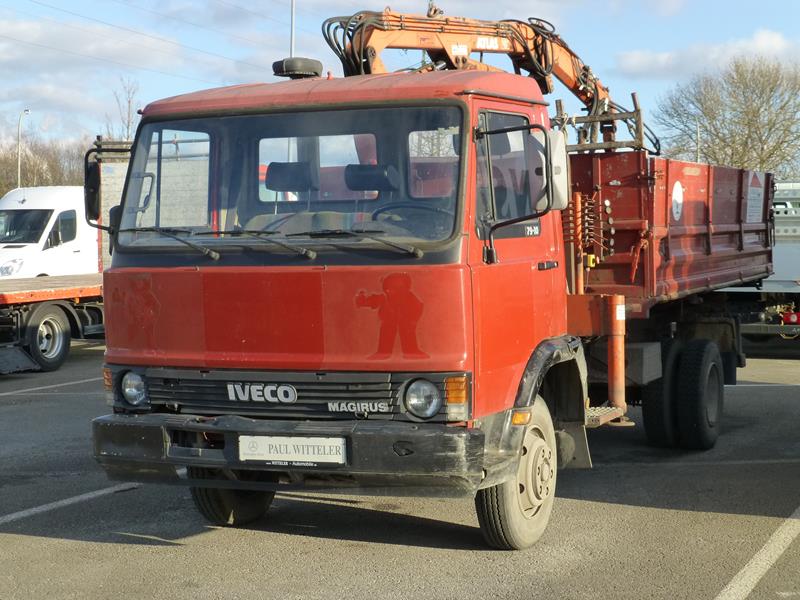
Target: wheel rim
x,y
712,396
50,338
536,473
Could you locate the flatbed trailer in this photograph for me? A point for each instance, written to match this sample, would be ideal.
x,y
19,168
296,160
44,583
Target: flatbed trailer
x,y
40,316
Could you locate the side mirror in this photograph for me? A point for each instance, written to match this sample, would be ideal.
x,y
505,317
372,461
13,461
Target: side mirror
x,y
550,157
114,217
560,162
91,191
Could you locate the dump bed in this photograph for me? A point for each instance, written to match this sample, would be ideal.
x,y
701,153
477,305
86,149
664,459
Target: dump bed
x,y
676,228
40,289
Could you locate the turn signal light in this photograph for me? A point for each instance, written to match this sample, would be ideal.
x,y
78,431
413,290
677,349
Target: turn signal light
x,y
108,379
456,389
456,397
521,417
108,386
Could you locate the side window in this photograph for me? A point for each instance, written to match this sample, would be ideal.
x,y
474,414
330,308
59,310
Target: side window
x,y
508,184
433,162
64,229
67,225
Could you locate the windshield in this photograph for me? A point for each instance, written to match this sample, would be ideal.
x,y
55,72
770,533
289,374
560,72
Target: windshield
x,y
389,172
23,226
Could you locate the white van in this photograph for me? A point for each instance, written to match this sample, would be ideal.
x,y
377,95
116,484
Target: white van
x,y
43,232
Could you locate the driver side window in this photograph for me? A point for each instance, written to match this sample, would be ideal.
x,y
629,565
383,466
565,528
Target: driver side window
x,y
503,186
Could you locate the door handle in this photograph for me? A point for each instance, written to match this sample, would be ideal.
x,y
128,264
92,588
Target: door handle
x,y
547,265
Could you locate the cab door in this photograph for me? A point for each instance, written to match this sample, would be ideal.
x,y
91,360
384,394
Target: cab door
x,y
513,296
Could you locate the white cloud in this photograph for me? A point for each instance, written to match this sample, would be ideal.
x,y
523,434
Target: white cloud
x,y
646,64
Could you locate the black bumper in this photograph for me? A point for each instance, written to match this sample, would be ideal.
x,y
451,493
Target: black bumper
x,y
382,457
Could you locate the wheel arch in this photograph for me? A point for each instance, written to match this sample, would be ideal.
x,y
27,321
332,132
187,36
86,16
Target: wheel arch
x,y
557,371
75,325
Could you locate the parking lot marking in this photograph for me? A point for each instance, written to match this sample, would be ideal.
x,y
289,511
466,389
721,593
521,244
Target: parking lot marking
x,y
699,463
37,510
747,579
772,385
48,387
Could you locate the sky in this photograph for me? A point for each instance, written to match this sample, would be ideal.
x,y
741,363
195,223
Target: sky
x,y
64,59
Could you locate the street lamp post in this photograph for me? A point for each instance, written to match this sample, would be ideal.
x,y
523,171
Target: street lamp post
x,y
291,33
19,146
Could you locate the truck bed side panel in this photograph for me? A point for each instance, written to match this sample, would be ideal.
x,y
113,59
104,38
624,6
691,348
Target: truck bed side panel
x,y
680,228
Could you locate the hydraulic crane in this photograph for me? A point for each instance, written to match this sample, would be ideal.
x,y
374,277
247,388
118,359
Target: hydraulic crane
x,y
452,43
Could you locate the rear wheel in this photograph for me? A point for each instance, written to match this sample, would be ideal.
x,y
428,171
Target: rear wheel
x,y
658,399
230,508
48,337
700,395
514,514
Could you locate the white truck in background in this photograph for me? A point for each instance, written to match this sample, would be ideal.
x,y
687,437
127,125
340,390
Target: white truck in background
x,y
42,232
51,267
774,309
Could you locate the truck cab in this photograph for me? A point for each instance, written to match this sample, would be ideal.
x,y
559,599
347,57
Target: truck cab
x,y
43,232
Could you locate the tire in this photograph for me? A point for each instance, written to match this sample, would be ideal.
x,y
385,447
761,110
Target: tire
x,y
729,367
700,395
47,337
227,507
659,413
513,515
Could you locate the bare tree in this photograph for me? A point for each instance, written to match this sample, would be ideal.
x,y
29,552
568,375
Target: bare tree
x,y
747,116
127,101
44,162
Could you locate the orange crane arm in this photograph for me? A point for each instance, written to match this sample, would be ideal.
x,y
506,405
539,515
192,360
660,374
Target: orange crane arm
x,y
450,42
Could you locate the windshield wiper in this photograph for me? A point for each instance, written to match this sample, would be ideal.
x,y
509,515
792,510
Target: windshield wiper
x,y
262,235
172,232
361,234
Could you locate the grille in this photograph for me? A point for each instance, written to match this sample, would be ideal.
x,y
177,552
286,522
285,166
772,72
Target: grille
x,y
206,393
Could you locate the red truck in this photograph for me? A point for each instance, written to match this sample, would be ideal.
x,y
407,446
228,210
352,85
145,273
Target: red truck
x,y
404,284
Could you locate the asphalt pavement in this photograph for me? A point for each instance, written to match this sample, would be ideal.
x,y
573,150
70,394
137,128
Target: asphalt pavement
x,y
644,523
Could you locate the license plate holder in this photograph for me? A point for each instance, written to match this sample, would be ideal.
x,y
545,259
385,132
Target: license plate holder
x,y
292,450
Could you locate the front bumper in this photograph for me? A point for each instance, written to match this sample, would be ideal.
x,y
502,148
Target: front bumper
x,y
382,457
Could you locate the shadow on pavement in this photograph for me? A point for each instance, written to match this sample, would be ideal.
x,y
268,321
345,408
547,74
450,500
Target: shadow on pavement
x,y
754,470
164,516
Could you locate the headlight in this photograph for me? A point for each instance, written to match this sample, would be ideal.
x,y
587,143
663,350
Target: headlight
x,y
423,399
133,389
10,267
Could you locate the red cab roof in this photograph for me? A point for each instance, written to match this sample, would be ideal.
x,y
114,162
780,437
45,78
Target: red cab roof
x,y
364,88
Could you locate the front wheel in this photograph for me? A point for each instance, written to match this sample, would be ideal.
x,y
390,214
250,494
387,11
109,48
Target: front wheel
x,y
513,515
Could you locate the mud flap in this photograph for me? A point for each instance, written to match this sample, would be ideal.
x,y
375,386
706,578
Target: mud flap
x,y
573,447
14,359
